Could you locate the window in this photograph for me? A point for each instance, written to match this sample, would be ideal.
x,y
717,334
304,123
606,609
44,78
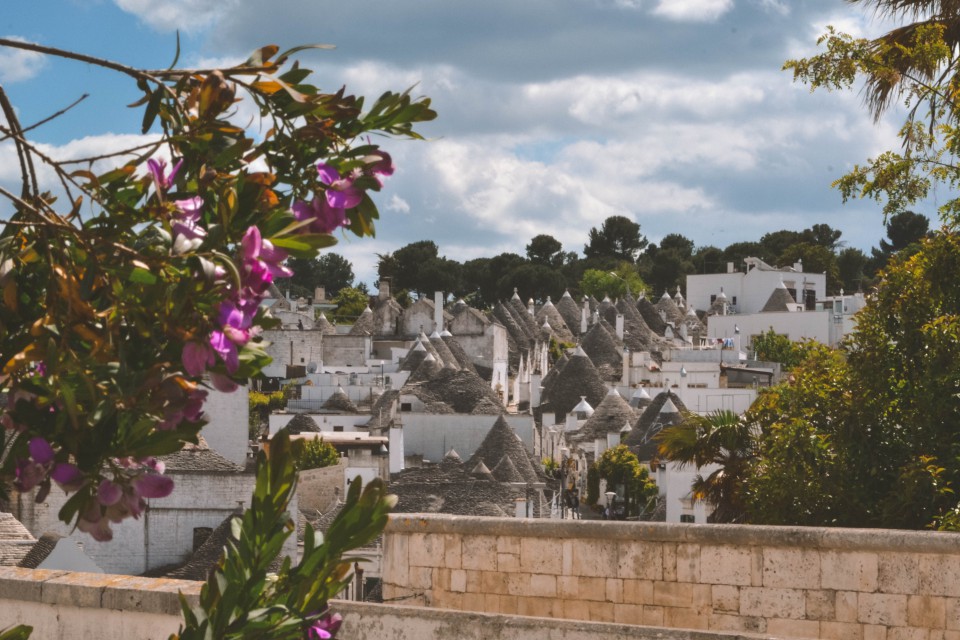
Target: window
x,y
733,300
713,298
406,406
688,518
337,428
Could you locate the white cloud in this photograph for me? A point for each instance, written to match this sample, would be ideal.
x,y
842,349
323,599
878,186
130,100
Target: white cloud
x,y
398,204
169,15
692,10
17,65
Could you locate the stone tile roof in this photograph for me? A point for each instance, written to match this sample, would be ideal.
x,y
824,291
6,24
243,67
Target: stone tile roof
x,y
323,325
601,347
428,368
570,311
364,326
502,442
198,460
302,423
608,417
523,317
339,401
554,371
15,540
637,335
446,355
40,550
462,390
670,308
651,316
456,349
652,421
549,313
414,357
450,488
205,558
778,300
579,377
381,411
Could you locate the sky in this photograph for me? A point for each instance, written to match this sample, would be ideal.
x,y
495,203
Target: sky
x,y
552,115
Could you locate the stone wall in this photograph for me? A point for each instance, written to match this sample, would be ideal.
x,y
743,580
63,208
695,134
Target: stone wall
x,y
84,605
783,581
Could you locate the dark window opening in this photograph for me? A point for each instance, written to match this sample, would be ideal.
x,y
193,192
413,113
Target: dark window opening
x,y
688,518
406,406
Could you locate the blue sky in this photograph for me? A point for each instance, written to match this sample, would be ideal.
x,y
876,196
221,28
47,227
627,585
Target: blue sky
x,y
553,115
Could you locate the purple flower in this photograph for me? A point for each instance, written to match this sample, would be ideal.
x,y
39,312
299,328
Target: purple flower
x,y
153,485
68,476
109,493
222,383
40,450
34,470
340,190
188,235
325,218
196,358
91,521
158,168
380,164
325,627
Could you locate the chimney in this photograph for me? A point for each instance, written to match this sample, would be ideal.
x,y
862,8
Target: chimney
x,y
438,311
384,289
620,326
320,293
729,267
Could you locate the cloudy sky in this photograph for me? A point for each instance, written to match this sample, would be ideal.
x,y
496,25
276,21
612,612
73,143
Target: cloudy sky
x,y
553,114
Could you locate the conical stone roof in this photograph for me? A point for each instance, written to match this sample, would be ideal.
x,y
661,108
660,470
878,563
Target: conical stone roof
x,y
427,369
413,358
302,423
570,311
666,409
651,316
339,401
324,326
501,442
506,471
579,377
554,371
779,300
609,417
463,360
522,316
637,335
446,355
549,313
670,308
601,347
364,326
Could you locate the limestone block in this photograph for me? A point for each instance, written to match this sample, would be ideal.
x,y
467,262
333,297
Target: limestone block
x,y
727,622
441,580
772,603
539,555
793,628
725,564
494,582
821,605
939,575
426,550
638,591
396,559
653,615
874,632
791,568
458,580
601,612
475,602
576,609
688,563
953,613
614,590
474,581
594,589
929,612
518,584
421,578
685,618
639,560
669,553
478,552
908,633
539,607
451,551
508,562
508,605
849,571
508,544
568,587
673,594
898,572
882,608
702,598
725,597
628,614
592,558
841,631
847,604
542,585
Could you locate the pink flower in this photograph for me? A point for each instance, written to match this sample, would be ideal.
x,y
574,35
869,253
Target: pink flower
x,y
158,168
197,358
153,485
91,521
340,191
68,476
325,218
108,493
188,235
380,164
325,627
223,383
34,470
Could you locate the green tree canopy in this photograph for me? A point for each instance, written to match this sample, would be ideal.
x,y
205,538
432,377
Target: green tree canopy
x,y
624,473
546,250
329,270
350,304
618,239
612,283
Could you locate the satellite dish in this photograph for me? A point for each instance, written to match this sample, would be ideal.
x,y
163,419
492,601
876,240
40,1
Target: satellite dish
x,y
312,367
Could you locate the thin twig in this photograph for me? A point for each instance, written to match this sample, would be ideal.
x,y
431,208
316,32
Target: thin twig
x,y
27,172
113,154
51,117
100,62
